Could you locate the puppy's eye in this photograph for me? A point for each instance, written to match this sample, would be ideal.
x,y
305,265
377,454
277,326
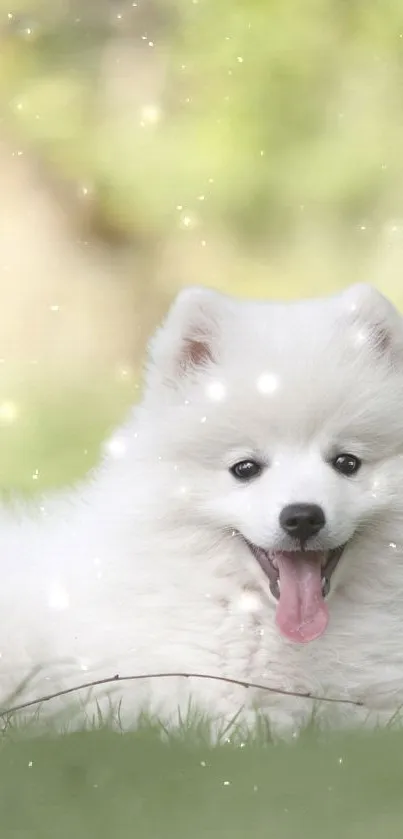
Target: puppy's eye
x,y
245,470
346,464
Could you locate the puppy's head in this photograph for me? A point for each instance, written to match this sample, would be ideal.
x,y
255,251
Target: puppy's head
x,y
282,424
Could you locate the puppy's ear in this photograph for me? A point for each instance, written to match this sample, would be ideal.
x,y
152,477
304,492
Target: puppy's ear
x,y
189,339
376,321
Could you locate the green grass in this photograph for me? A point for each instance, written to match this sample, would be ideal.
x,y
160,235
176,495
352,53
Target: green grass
x,y
103,784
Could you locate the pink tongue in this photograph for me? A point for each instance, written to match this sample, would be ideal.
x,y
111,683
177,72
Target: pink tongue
x,y
302,614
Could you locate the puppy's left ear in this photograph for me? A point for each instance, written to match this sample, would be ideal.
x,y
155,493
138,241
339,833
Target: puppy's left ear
x,y
376,320
190,338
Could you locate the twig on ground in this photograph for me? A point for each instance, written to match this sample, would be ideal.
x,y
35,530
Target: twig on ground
x,y
141,676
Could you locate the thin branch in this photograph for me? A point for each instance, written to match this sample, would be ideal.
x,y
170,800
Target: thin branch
x,y
227,680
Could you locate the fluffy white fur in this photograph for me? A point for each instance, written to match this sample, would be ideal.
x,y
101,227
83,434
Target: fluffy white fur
x,y
141,569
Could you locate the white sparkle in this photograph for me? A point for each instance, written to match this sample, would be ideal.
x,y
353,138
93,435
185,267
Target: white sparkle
x,y
116,447
54,308
187,221
203,419
150,114
375,487
248,602
58,598
360,338
8,412
267,383
216,391
125,374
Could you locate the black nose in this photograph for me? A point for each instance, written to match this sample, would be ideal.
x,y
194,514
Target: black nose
x,y
302,521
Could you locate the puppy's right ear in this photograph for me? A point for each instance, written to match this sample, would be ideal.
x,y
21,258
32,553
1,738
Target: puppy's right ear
x,y
189,340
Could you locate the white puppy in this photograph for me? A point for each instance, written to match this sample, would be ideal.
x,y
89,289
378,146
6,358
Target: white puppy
x,y
251,528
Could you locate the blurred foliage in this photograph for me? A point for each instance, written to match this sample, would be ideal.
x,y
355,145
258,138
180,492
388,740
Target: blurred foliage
x,y
52,436
269,110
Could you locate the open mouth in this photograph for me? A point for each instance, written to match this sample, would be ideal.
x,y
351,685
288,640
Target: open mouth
x,y
300,581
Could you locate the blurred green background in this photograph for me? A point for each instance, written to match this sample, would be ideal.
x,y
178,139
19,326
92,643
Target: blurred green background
x,y
251,145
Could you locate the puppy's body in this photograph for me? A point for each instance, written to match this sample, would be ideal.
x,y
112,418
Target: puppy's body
x,y
151,565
